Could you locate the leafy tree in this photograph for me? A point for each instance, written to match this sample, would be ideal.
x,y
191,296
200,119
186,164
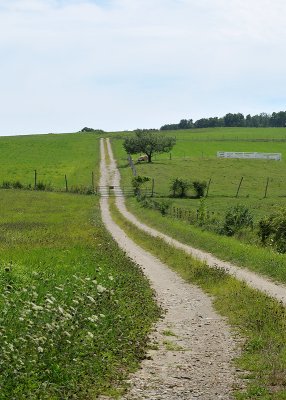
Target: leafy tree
x,y
199,188
148,142
234,119
179,187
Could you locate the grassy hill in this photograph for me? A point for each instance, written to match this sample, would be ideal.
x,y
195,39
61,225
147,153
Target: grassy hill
x,y
53,156
71,324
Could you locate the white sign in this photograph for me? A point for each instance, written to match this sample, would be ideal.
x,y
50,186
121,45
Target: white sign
x,y
237,154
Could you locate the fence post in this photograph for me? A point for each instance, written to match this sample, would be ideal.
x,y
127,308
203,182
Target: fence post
x,y
239,186
153,185
35,179
208,187
170,156
66,182
266,188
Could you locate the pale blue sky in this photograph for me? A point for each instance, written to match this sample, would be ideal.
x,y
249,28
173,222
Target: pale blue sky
x,y
126,64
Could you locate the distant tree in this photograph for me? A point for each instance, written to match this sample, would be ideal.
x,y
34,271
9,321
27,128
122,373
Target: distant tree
x,y
278,119
86,129
149,143
234,119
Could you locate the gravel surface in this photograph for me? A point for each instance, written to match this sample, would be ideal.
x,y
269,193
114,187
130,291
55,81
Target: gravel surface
x,y
193,347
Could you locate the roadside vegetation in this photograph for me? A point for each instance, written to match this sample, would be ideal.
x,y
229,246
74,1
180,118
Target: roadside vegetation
x,y
258,319
75,312
71,324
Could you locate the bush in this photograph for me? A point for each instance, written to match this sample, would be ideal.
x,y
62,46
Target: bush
x,y
236,218
199,188
43,186
12,185
137,183
162,206
17,185
179,187
272,230
81,189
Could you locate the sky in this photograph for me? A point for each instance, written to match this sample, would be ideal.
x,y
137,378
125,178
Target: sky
x,y
127,64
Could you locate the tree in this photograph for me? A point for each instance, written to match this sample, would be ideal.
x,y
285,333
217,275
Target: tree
x,y
149,143
179,187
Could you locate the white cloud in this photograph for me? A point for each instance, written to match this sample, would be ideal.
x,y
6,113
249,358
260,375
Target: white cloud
x,y
128,63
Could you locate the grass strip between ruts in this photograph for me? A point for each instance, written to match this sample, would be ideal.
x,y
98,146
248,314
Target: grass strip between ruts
x,y
259,319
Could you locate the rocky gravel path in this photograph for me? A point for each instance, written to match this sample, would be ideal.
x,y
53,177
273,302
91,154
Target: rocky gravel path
x,y
276,290
192,346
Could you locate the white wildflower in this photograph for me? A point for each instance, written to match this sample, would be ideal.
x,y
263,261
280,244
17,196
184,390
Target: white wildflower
x,y
93,318
36,307
101,289
91,299
90,335
40,349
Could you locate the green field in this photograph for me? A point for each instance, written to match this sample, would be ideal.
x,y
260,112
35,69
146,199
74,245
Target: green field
x,y
244,249
194,158
71,321
53,156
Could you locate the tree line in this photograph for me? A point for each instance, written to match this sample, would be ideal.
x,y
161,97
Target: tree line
x,y
262,120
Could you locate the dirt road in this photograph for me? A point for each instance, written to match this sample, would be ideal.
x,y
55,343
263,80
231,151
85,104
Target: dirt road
x,y
192,358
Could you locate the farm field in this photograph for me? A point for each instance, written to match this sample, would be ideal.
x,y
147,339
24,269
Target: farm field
x,y
70,325
195,159
53,156
243,249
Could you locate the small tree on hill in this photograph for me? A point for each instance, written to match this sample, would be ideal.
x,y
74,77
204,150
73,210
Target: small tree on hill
x,y
179,187
149,143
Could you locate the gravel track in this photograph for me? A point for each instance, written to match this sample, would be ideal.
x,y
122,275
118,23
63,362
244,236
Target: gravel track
x,y
193,345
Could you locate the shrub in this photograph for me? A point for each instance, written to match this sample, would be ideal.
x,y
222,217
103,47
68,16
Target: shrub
x,y
162,206
12,185
6,185
179,187
199,188
236,218
138,182
272,230
17,185
80,189
43,186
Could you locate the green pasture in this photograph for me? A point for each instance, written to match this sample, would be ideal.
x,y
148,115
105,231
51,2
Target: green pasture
x,y
75,155
195,159
74,311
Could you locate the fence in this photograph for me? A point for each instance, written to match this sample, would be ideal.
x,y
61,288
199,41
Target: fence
x,y
39,184
252,155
